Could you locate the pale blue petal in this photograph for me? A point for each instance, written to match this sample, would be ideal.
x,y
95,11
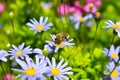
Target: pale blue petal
x,y
60,63
45,20
21,46
53,62
65,64
24,77
66,69
3,59
41,20
21,63
77,25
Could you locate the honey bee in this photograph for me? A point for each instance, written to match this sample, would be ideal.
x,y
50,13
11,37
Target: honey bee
x,y
60,37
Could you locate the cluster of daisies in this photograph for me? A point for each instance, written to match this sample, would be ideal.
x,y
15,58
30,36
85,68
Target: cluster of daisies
x,y
113,67
42,66
113,53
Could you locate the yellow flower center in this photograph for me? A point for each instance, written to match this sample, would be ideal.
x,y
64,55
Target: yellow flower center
x,y
55,71
80,19
39,27
19,53
98,15
60,44
30,71
116,26
115,74
113,55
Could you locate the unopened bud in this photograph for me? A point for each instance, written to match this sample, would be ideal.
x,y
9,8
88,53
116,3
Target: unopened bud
x,y
45,52
91,6
11,15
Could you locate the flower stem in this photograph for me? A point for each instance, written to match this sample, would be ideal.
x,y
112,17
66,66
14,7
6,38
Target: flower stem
x,y
59,55
112,40
59,14
41,34
3,70
14,34
114,33
95,36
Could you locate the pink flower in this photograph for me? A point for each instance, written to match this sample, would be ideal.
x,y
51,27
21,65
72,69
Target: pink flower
x,y
8,76
2,7
76,9
63,9
95,4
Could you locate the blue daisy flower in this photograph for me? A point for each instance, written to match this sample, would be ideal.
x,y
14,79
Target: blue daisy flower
x,y
115,26
20,51
39,26
3,55
112,53
32,70
62,44
115,75
77,19
59,71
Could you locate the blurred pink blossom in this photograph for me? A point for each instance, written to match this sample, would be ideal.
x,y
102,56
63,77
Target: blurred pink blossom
x,y
95,4
8,76
76,9
63,9
2,7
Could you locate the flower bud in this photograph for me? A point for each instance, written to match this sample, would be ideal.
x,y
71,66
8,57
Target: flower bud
x,y
11,15
45,52
91,6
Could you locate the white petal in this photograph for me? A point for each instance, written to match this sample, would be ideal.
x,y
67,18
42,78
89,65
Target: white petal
x,y
21,63
64,77
45,20
66,69
53,62
65,64
48,61
21,46
41,20
56,49
4,59
15,47
77,25
24,77
60,63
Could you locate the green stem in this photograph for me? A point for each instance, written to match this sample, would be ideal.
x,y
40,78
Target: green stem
x,y
95,37
112,40
41,39
59,1
9,66
14,34
82,33
113,37
59,55
4,73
